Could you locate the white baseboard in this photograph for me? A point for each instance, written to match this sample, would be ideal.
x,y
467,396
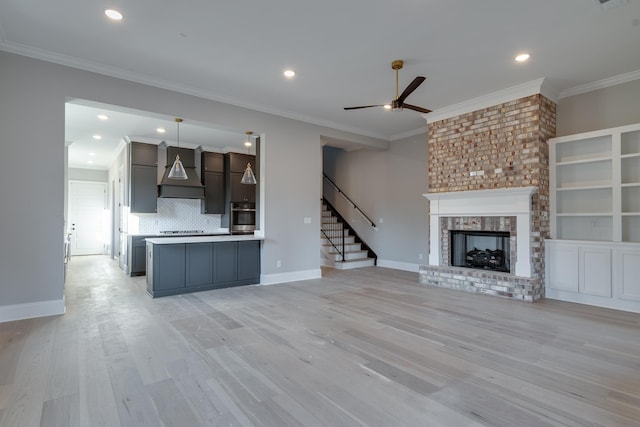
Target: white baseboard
x,y
30,310
397,265
293,276
614,303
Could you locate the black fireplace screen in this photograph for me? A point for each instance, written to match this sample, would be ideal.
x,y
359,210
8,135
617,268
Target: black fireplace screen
x,y
486,250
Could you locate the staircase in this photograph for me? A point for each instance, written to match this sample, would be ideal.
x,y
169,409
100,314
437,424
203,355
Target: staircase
x,y
331,237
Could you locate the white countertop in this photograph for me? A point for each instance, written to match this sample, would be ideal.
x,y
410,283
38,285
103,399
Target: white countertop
x,y
202,239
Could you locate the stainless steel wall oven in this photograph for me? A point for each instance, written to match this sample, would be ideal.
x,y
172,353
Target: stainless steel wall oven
x,y
243,218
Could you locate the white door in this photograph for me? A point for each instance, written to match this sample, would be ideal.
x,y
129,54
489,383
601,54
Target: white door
x,y
87,217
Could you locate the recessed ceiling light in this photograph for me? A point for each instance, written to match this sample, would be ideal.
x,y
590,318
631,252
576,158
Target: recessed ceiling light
x,y
289,74
97,137
522,57
103,117
113,14
161,130
387,106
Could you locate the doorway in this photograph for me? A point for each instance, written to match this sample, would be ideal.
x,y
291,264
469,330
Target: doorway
x,y
87,217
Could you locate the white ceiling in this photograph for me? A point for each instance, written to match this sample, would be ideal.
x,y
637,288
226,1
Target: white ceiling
x,y
82,123
236,51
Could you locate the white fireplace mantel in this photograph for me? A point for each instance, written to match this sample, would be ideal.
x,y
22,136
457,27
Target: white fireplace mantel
x,y
495,202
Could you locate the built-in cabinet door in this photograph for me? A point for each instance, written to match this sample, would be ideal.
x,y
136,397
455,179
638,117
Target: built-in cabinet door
x,y
198,258
213,193
238,162
144,154
225,262
627,273
169,265
248,259
144,189
212,162
595,271
562,265
241,192
138,256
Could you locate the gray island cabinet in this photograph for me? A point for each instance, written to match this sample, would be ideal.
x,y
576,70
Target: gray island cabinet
x,y
178,265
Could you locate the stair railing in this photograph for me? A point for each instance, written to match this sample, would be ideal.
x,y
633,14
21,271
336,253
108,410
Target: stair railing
x,y
333,184
333,228
342,224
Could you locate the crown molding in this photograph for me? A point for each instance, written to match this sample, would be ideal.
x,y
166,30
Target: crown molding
x,y
540,86
163,84
408,134
600,84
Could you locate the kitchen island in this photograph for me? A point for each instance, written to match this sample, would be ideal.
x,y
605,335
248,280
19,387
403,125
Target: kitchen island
x,y
178,265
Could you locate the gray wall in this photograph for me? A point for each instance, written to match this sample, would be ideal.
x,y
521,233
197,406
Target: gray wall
x,y
32,113
389,185
600,109
77,174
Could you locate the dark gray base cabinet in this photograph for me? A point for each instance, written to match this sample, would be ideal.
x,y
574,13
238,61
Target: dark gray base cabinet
x,y
191,267
137,255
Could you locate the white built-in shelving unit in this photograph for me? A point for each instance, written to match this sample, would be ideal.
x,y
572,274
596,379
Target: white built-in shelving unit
x,y
594,253
595,185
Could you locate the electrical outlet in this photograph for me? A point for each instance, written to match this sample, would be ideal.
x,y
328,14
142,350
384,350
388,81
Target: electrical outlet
x,y
480,173
419,256
472,173
307,220
278,263
381,220
498,170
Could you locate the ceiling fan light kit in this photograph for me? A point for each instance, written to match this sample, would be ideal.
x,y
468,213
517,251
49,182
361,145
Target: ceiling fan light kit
x,y
398,103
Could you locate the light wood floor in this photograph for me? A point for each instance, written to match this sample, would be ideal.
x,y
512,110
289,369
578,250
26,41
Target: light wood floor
x,y
368,347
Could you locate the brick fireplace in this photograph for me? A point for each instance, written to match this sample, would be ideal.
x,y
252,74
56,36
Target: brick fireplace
x,y
489,172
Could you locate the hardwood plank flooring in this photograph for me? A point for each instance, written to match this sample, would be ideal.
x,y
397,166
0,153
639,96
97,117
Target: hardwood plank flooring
x,y
366,347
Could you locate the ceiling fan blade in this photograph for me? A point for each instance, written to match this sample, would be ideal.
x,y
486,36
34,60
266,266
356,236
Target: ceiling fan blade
x,y
362,106
412,86
416,108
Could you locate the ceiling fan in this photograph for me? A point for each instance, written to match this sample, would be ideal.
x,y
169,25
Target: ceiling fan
x,y
398,103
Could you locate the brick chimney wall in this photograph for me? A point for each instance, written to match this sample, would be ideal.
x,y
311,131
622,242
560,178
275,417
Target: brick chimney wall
x,y
512,137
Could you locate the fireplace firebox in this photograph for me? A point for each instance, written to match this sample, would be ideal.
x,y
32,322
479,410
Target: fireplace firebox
x,y
485,250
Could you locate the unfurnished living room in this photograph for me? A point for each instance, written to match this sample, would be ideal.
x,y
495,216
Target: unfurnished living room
x,y
333,214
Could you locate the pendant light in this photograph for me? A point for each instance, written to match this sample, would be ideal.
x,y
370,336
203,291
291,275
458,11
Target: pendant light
x,y
248,177
177,170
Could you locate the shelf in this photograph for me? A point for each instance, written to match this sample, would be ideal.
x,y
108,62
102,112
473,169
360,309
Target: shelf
x,y
631,228
630,199
590,174
630,143
584,214
630,172
630,213
585,149
630,156
593,227
594,187
630,184
580,162
596,201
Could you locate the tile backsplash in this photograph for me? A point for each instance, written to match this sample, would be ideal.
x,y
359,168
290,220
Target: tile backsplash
x,y
173,214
